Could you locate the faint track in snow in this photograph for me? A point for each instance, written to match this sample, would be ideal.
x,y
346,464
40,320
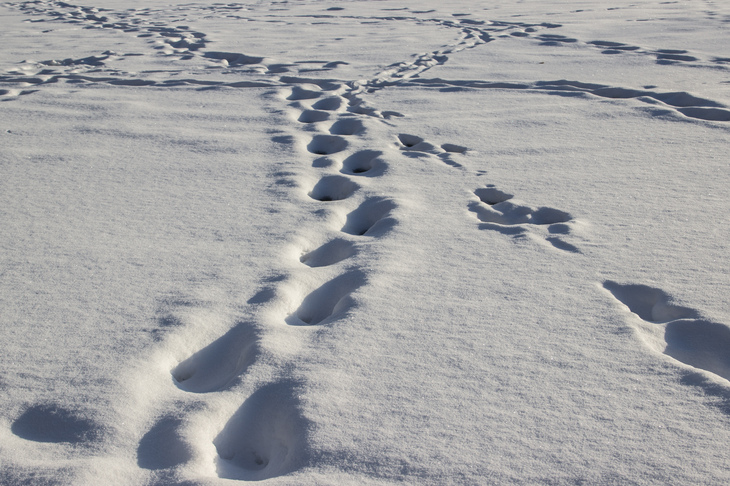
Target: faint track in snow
x,y
678,332
680,102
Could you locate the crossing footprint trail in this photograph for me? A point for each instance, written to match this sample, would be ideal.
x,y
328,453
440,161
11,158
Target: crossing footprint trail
x,y
267,436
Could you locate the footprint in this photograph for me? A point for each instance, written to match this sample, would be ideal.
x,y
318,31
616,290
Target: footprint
x,y
364,162
328,301
49,422
409,141
509,213
687,338
299,93
265,438
347,126
162,446
327,144
700,344
491,195
233,58
217,365
650,304
333,188
370,218
452,148
332,252
332,103
313,116
508,217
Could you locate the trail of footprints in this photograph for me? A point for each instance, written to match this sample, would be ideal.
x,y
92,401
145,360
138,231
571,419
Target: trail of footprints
x,y
265,437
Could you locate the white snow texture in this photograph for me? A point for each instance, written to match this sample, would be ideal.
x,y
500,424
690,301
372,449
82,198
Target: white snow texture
x,y
367,242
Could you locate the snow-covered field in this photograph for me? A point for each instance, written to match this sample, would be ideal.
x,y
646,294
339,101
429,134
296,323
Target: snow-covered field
x,y
365,242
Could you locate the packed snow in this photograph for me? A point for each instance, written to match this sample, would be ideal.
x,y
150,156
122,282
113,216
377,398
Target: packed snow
x,y
365,242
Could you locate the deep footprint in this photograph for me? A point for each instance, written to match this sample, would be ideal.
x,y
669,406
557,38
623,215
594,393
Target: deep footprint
x,y
265,438
163,447
371,218
49,422
347,126
328,301
365,162
695,342
217,365
650,304
330,253
327,144
333,188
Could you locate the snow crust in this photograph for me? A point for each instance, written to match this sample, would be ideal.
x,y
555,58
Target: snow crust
x,y
364,242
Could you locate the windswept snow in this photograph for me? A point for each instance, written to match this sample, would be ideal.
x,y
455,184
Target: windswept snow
x,y
365,242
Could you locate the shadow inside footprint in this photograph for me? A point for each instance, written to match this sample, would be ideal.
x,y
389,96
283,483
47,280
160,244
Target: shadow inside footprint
x,y
329,104
218,364
333,188
299,93
492,195
330,253
347,126
326,144
162,446
265,438
328,301
370,218
510,213
701,344
313,116
49,422
650,304
364,162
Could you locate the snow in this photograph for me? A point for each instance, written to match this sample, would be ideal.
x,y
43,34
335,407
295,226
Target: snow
x,y
364,242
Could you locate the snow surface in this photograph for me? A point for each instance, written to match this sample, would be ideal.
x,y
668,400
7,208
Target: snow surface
x,y
365,242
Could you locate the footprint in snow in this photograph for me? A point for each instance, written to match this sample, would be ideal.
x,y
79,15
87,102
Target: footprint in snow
x,y
415,146
333,188
677,331
334,251
265,438
327,144
50,422
329,301
366,163
371,218
216,366
498,212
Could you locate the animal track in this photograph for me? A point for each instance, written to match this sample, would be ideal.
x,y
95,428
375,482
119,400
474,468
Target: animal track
x,y
328,301
265,438
416,146
333,188
371,218
217,365
332,252
498,212
327,144
687,338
